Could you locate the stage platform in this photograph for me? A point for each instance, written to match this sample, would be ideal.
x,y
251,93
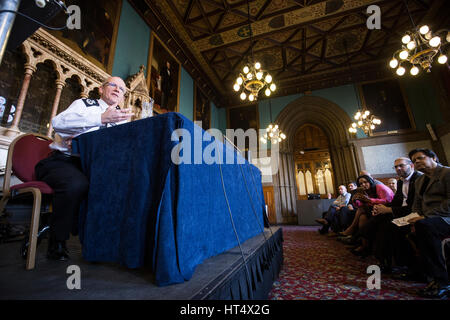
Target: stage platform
x,y
221,277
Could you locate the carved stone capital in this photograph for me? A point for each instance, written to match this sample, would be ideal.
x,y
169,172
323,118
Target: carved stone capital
x,y
30,68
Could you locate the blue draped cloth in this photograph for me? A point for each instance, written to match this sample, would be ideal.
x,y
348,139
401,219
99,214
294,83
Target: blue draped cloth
x,y
145,210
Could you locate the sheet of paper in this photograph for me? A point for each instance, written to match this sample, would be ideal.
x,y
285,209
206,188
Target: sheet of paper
x,y
403,221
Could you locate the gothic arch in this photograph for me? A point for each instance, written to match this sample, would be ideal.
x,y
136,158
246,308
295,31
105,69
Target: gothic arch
x,y
334,121
318,111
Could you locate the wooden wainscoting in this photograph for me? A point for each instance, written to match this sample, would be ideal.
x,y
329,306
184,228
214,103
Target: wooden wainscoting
x,y
269,199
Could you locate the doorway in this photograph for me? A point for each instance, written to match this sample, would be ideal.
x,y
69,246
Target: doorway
x,y
314,171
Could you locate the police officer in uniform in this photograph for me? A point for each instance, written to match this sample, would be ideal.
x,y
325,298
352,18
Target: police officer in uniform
x,y
62,170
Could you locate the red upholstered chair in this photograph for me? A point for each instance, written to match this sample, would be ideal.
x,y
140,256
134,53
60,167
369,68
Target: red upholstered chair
x,y
24,153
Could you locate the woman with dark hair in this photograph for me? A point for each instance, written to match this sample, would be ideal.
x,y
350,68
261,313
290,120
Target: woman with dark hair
x,y
366,196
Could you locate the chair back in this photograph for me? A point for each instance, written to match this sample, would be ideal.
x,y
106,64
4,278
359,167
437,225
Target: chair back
x,y
23,154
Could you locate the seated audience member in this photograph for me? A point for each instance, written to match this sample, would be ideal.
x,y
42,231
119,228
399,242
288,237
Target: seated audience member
x,y
367,173
347,213
364,201
352,186
432,203
332,216
392,184
389,239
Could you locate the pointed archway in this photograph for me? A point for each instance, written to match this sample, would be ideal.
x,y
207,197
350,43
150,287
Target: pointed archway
x,y
334,122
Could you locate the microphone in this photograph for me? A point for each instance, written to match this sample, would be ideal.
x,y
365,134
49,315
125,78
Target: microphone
x,y
41,3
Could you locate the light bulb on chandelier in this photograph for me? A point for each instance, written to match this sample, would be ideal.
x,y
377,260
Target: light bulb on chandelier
x,y
420,46
273,134
252,81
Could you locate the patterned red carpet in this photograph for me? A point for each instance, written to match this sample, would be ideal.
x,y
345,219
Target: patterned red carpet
x,y
318,267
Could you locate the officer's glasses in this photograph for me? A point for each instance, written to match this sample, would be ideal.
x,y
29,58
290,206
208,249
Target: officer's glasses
x,y
112,84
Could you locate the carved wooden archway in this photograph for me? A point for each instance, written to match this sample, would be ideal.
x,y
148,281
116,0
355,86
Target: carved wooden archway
x,y
334,121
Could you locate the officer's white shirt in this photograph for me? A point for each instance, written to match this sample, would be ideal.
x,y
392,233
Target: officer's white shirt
x,y
83,115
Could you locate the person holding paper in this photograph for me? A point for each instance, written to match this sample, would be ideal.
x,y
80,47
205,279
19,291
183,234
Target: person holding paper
x,y
390,240
432,203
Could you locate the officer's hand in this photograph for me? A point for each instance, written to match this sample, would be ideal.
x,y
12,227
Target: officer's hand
x,y
116,115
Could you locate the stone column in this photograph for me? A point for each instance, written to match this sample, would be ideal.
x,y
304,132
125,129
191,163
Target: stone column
x,y
59,86
14,129
84,92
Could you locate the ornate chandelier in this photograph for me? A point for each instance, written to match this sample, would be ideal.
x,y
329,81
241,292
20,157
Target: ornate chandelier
x,y
253,79
419,48
273,132
365,121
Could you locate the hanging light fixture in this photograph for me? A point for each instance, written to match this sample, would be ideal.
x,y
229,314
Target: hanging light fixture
x,y
364,119
419,48
273,132
252,78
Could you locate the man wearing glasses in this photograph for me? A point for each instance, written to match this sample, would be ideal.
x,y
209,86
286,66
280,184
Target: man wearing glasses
x,y
62,170
390,241
432,203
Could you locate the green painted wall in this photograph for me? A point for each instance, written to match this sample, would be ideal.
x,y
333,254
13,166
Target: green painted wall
x,y
186,95
132,46
422,99
222,122
420,94
218,118
214,116
278,104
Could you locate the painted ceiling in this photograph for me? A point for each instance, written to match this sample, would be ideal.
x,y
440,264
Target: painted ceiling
x,y
304,44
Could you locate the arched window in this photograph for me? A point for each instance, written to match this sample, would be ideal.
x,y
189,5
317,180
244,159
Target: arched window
x,y
320,182
309,182
301,183
329,181
313,163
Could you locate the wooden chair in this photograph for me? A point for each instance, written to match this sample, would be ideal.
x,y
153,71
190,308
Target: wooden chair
x,y
24,153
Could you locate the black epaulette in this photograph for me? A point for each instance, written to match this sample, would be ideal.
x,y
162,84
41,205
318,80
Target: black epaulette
x,y
90,102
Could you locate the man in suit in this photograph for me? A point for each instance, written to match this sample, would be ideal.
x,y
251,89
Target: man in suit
x,y
432,203
388,239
